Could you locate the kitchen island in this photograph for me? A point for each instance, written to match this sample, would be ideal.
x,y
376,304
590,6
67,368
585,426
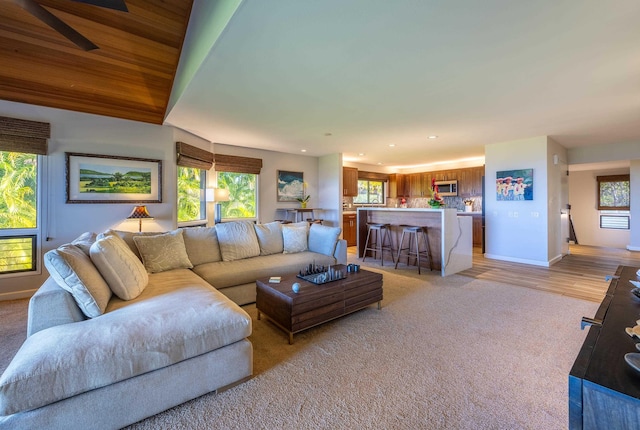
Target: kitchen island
x,y
450,236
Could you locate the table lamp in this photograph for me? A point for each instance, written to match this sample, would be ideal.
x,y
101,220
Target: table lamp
x,y
139,213
220,195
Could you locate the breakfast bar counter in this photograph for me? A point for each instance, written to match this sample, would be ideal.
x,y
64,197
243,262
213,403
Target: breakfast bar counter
x,y
450,236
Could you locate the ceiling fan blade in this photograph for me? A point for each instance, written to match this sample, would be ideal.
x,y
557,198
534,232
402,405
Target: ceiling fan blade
x,y
56,23
109,4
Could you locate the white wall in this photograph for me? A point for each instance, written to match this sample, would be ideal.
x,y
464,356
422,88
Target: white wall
x,y
330,188
518,230
93,134
272,162
584,210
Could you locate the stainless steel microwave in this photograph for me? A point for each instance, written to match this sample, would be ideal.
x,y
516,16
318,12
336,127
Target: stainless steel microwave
x,y
448,188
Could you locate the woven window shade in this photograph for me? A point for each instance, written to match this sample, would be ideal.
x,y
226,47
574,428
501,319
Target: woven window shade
x,y
21,135
190,156
373,176
235,164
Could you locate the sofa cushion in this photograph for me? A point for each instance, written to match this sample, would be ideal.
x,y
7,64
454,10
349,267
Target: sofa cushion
x,y
178,316
323,239
73,270
223,274
128,236
270,238
294,238
201,244
84,241
163,252
119,266
237,240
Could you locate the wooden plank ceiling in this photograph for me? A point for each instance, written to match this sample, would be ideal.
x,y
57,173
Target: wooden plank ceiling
x,y
129,76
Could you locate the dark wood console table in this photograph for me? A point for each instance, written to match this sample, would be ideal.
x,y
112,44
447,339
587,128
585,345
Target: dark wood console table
x,y
604,392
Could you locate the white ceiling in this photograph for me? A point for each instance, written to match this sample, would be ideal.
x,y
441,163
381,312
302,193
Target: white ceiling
x,y
375,73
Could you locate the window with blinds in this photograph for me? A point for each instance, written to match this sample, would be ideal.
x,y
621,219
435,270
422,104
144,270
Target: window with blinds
x,y
23,144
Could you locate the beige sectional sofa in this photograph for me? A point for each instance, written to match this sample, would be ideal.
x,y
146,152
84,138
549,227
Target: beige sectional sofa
x,y
129,325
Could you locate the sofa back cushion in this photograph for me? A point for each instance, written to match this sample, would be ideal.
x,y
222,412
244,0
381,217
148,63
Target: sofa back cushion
x,y
128,236
202,245
237,240
119,266
73,270
270,238
323,239
163,252
84,241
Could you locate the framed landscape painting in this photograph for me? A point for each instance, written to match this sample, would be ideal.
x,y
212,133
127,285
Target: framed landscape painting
x,y
110,179
514,185
290,186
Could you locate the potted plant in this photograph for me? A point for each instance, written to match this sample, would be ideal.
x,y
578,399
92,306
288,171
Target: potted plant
x,y
303,201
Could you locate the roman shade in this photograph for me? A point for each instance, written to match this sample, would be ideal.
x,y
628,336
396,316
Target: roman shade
x,y
191,156
373,176
21,135
235,164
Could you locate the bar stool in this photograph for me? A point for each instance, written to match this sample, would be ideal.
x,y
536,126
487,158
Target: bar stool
x,y
414,234
378,242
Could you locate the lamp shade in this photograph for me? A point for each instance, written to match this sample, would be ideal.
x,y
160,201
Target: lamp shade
x,y
139,212
209,195
221,195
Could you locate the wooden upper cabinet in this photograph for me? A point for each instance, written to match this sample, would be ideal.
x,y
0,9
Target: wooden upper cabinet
x,y
350,181
398,185
415,185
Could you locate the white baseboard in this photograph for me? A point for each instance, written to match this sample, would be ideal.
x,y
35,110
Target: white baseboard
x,y
15,295
633,248
520,260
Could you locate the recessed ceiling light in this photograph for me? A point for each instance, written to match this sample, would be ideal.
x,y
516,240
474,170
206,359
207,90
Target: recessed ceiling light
x,y
433,137
391,145
361,154
379,163
303,150
328,134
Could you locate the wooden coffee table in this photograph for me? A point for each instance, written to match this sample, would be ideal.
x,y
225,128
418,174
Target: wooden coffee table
x,y
316,304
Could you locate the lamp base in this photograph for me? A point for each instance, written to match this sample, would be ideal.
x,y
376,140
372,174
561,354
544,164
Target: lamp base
x,y
218,216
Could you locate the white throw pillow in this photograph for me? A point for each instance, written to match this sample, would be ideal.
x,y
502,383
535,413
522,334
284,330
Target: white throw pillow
x,y
323,239
270,238
295,238
73,270
84,241
201,244
119,266
163,252
237,240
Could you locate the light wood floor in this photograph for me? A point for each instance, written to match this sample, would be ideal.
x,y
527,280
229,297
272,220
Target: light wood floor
x,y
580,274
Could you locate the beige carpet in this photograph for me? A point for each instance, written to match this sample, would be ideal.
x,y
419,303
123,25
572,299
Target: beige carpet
x,y
452,353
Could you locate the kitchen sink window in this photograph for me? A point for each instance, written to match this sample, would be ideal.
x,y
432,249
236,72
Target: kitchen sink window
x,y
370,192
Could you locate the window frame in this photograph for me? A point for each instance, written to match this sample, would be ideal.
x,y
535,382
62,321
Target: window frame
x,y
203,220
368,202
39,229
256,197
609,179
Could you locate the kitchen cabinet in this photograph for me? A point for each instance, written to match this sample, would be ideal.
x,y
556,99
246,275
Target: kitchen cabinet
x,y
350,229
415,185
476,228
350,181
398,185
470,182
